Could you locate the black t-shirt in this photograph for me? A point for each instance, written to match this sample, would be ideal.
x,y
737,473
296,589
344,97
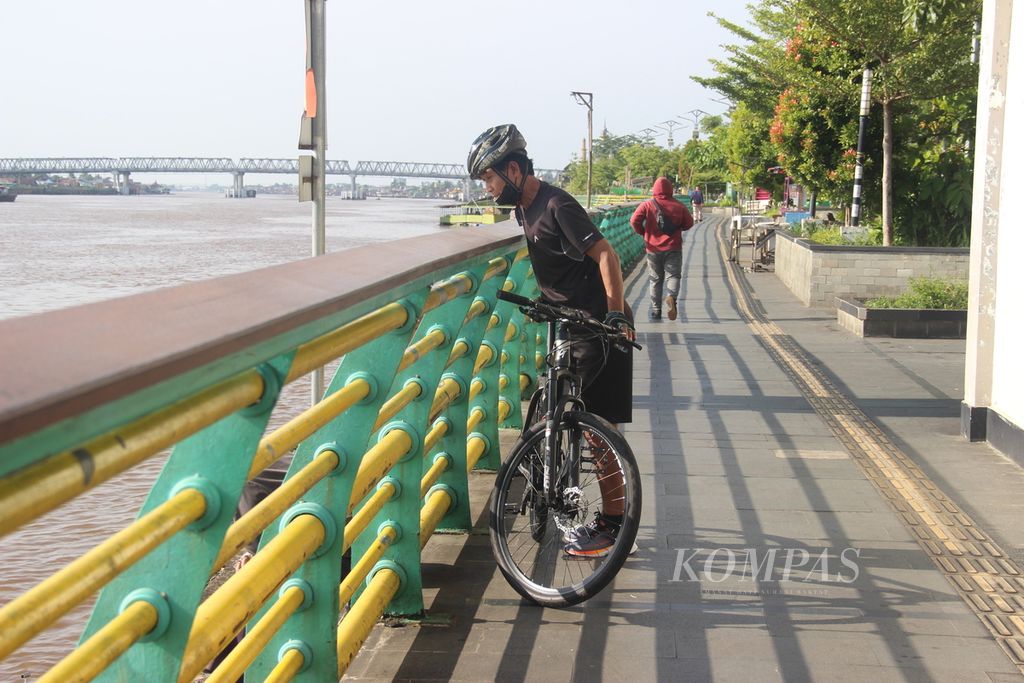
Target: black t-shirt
x,y
559,233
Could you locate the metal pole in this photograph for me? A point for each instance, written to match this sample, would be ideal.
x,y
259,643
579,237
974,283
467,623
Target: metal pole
x,y
319,123
590,149
858,174
587,100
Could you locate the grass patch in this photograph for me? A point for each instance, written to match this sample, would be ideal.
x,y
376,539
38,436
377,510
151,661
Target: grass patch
x,y
822,232
926,292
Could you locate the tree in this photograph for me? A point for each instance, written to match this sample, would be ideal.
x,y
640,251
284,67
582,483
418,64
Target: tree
x,y
800,68
918,51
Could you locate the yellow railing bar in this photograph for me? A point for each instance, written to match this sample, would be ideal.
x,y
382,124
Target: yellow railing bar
x,y
252,523
475,387
43,486
443,292
325,348
409,393
291,433
432,475
361,519
504,410
257,637
359,621
226,612
431,514
511,332
475,448
447,392
475,309
388,535
31,612
377,462
434,435
474,419
522,254
503,381
496,266
460,349
430,341
524,381
483,358
97,653
287,668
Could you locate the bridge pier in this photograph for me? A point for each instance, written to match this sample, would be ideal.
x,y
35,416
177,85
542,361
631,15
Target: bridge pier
x,y
466,185
123,186
238,191
355,186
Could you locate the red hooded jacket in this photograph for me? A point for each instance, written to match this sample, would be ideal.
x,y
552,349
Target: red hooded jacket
x,y
645,219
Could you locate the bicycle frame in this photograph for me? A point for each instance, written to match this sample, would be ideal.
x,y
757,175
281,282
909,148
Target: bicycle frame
x,y
559,362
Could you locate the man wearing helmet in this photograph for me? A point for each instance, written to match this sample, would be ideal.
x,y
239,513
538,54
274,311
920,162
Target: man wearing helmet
x,y
576,266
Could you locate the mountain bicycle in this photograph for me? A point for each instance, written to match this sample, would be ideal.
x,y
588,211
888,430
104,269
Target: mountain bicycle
x,y
550,486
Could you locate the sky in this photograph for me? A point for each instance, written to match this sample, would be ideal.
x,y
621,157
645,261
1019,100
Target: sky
x,y
406,80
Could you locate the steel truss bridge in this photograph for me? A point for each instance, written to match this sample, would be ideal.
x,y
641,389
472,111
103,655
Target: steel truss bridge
x,y
122,165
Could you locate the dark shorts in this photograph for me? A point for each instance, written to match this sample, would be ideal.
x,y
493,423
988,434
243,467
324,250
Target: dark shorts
x,y
607,375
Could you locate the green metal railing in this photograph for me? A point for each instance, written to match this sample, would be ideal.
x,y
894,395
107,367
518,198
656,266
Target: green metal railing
x,y
429,366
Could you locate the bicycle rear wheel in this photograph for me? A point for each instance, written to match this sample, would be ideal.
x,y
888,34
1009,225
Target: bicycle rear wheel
x,y
532,556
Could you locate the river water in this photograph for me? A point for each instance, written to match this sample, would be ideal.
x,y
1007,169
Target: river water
x,y
58,251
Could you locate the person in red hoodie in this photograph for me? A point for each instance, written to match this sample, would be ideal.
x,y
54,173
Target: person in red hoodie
x,y
663,239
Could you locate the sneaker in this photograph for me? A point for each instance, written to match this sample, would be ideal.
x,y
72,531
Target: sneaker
x,y
593,540
655,315
670,301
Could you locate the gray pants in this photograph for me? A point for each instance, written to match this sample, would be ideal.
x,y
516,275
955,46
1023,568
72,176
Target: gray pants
x,y
662,266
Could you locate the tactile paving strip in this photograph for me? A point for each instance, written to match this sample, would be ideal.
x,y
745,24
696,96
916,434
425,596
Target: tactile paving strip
x,y
990,583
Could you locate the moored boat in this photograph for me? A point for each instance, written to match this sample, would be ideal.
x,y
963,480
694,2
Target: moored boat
x,y
7,193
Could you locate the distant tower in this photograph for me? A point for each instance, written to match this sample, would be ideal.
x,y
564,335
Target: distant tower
x,y
583,150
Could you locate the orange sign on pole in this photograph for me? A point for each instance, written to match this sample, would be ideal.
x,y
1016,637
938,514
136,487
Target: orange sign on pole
x,y
310,94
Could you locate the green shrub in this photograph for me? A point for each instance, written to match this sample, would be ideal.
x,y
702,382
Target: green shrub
x,y
832,235
927,292
826,233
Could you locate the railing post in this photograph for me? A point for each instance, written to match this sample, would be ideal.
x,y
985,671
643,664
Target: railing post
x,y
178,570
347,435
489,375
512,355
453,444
403,511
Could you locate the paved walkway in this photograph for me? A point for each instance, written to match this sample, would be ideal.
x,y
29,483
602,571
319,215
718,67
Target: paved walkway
x,y
798,484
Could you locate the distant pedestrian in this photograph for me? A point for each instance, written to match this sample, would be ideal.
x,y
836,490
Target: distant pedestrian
x,y
697,199
662,221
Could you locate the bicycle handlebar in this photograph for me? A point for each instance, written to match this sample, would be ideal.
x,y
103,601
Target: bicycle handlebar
x,y
539,310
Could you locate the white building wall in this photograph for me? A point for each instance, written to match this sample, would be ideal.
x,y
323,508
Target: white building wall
x,y
1008,350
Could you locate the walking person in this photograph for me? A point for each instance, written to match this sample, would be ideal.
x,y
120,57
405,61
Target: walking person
x,y
661,221
574,266
697,199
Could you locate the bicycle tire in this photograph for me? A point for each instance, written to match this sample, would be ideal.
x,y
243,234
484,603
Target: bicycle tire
x,y
542,573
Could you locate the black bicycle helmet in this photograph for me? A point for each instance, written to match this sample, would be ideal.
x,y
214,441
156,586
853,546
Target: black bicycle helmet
x,y
493,145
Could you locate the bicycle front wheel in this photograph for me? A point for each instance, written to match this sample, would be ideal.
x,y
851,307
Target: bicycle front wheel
x,y
531,553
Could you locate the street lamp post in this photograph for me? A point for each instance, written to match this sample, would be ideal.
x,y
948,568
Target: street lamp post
x,y
669,126
587,100
694,116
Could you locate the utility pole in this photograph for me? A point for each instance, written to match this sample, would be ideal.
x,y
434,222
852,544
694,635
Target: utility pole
x,y
858,174
313,136
587,100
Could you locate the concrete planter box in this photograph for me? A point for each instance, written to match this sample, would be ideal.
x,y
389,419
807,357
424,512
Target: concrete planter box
x,y
909,323
818,273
